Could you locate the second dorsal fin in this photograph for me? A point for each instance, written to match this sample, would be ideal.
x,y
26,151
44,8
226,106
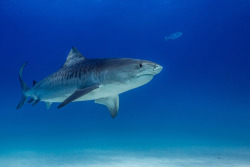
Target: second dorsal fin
x,y
34,82
74,56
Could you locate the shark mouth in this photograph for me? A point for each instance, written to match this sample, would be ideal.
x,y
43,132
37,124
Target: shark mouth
x,y
143,74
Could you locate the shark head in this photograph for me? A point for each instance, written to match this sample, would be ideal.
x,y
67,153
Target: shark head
x,y
133,72
144,67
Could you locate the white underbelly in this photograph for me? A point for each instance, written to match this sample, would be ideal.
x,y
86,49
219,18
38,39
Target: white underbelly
x,y
115,88
107,90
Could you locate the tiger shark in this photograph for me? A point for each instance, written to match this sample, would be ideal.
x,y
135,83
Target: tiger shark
x,y
82,79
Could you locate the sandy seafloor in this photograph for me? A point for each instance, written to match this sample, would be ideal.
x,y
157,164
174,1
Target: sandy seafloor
x,y
198,157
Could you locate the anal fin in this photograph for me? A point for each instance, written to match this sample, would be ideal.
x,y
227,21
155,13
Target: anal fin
x,y
35,102
31,100
111,102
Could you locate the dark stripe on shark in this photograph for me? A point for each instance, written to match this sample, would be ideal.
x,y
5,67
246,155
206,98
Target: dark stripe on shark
x,y
72,74
79,71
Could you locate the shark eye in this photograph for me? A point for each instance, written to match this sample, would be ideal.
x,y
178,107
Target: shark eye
x,y
140,65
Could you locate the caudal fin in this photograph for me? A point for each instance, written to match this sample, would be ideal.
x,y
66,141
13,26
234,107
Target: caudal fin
x,y
23,86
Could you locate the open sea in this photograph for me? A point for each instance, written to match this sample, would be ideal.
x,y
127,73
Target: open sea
x,y
194,113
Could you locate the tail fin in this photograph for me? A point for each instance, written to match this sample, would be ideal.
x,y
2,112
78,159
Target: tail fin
x,y
24,87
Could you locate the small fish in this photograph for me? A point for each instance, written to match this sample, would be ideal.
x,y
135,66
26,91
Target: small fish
x,y
173,36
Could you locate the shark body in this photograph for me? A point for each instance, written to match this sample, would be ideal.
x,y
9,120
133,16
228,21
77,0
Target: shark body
x,y
82,79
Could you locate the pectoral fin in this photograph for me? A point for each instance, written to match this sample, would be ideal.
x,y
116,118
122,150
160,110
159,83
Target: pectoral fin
x,y
78,93
111,102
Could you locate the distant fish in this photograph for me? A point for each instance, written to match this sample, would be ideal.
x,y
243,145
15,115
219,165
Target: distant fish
x,y
173,36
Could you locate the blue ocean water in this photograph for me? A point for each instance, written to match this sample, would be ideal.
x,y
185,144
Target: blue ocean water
x,y
196,112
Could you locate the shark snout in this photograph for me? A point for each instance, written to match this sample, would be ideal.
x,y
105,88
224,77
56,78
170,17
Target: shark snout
x,y
150,68
157,68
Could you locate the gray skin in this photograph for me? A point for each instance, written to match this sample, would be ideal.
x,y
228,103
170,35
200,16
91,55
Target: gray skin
x,y
82,79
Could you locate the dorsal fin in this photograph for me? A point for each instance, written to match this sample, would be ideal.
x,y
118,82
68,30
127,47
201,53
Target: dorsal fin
x,y
34,82
74,56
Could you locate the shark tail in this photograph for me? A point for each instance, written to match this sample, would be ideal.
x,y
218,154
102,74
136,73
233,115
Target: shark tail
x,y
23,86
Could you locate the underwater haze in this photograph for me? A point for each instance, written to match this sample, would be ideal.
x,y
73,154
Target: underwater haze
x,y
195,112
